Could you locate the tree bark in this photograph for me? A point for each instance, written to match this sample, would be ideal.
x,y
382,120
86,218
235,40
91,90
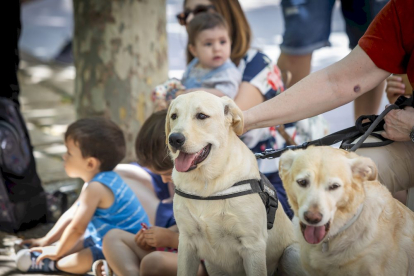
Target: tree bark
x,y
120,53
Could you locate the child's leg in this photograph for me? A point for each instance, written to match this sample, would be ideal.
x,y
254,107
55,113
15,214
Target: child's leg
x,y
163,263
80,258
76,263
25,260
122,253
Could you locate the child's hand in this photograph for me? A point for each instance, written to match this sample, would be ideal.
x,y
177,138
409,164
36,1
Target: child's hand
x,y
49,252
141,242
158,237
40,242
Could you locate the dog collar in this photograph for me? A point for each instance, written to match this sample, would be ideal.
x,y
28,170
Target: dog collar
x,y
261,186
325,244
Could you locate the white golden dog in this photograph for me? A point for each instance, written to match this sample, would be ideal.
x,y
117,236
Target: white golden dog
x,y
230,234
346,222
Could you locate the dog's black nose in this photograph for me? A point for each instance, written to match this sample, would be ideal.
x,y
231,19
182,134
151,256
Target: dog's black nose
x,y
176,140
312,217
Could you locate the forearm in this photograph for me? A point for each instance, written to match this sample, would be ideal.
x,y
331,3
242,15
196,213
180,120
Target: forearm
x,y
319,92
69,238
56,232
305,99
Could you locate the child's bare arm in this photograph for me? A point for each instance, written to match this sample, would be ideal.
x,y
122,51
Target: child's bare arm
x,y
89,200
57,230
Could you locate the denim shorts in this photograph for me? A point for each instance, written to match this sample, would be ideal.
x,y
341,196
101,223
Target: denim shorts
x,y
96,249
308,22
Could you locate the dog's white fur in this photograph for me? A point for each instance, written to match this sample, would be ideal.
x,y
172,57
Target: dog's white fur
x,y
231,234
379,242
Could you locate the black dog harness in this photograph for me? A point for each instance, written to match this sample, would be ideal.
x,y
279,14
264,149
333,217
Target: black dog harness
x,y
263,187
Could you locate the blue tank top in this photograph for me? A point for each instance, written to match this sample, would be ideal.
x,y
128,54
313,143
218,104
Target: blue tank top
x,y
191,82
126,213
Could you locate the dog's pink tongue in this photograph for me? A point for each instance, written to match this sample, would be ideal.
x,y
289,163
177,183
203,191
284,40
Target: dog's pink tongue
x,y
183,161
314,235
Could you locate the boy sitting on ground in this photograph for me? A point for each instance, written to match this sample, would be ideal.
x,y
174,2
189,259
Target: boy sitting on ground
x,y
94,147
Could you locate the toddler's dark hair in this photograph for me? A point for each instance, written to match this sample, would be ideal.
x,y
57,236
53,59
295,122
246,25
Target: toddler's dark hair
x,y
100,138
150,145
204,21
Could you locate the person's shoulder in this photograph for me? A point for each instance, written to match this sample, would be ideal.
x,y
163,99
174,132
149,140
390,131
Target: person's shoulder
x,y
103,179
255,55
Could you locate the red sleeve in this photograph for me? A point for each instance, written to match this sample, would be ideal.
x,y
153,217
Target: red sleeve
x,y
384,41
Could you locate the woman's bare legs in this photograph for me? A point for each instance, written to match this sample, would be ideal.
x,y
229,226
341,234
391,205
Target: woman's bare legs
x,y
122,253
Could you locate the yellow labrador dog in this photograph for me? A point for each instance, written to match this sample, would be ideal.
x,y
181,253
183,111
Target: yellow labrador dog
x,y
229,234
346,222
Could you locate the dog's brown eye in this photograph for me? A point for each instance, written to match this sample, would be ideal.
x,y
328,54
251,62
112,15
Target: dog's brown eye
x,y
302,182
334,187
173,116
201,116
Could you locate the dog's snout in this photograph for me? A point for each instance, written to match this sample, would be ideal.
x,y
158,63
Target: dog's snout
x,y
176,140
312,217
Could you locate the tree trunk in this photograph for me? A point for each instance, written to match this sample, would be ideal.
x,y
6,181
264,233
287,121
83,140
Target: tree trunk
x,y
120,53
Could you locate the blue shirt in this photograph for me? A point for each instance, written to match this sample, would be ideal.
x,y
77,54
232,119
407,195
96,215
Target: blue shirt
x,y
126,213
225,78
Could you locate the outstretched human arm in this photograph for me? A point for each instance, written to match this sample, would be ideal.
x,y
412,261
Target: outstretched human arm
x,y
319,92
89,200
56,232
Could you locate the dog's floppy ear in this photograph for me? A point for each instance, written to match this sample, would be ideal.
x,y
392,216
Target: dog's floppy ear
x,y
363,167
286,161
167,125
230,108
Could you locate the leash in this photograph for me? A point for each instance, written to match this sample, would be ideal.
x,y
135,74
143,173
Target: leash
x,y
349,135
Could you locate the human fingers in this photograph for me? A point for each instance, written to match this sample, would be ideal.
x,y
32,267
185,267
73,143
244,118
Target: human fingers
x,y
394,78
36,249
151,241
29,242
138,237
395,90
395,83
40,258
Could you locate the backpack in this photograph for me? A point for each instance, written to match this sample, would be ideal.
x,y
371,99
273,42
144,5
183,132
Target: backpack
x,y
22,198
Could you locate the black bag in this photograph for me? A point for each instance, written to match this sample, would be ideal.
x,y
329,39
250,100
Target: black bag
x,y
22,198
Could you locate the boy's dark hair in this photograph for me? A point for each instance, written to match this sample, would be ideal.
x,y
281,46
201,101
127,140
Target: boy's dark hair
x,y
100,138
150,145
204,21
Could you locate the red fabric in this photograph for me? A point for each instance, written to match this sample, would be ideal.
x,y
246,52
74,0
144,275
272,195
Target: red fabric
x,y
389,40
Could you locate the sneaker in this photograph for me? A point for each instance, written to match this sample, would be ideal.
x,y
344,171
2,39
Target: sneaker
x,y
26,262
102,265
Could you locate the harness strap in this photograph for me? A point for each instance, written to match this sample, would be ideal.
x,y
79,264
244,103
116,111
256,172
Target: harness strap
x,y
261,186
